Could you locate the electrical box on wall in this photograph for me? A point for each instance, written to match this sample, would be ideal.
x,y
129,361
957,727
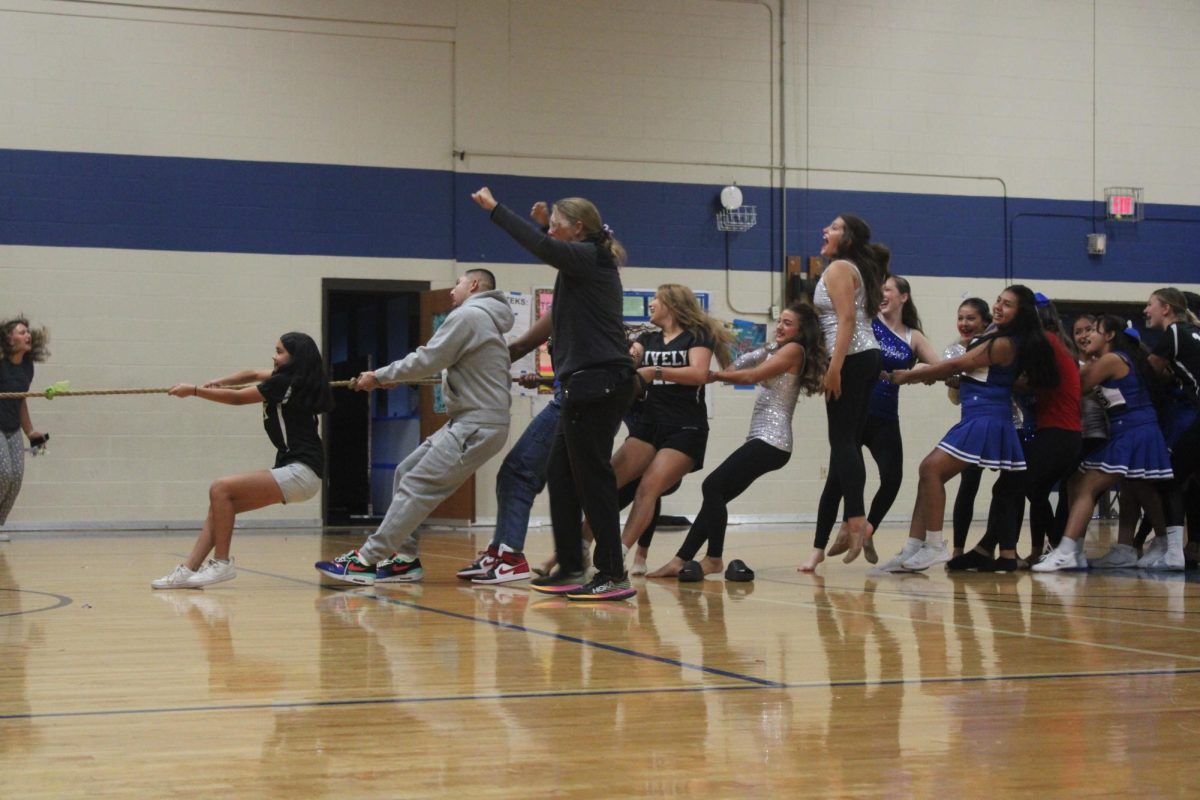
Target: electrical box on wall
x,y
1097,243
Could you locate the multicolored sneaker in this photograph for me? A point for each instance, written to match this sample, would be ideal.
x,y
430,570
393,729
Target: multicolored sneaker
x,y
510,566
348,567
480,566
558,582
603,587
399,569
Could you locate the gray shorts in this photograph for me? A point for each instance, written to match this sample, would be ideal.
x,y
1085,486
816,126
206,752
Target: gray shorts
x,y
297,482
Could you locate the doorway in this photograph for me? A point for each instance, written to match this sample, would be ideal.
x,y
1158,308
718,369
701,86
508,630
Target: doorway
x,y
367,324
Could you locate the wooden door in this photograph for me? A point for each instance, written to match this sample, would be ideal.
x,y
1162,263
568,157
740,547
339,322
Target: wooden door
x,y
435,305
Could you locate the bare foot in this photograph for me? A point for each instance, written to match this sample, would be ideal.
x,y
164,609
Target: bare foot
x,y
811,565
711,566
546,566
668,570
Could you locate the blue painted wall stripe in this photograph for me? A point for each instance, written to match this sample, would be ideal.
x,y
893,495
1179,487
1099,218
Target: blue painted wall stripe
x,y
56,199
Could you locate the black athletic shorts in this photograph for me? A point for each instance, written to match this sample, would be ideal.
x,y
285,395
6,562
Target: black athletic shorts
x,y
690,441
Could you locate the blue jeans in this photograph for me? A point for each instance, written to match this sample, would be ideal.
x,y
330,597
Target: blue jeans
x,y
522,476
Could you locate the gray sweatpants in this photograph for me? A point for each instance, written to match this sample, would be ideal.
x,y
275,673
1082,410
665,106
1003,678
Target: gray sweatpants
x,y
430,474
12,471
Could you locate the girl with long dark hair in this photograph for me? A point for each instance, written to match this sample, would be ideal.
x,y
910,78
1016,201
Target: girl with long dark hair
x,y
902,344
985,437
1135,450
1051,453
846,299
793,364
293,392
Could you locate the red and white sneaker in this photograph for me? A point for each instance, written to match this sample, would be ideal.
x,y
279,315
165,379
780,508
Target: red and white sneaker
x,y
480,566
509,567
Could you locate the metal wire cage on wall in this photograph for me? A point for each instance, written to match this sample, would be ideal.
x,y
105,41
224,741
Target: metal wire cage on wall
x,y
737,220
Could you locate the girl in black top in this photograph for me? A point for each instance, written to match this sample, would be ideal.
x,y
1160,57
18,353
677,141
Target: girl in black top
x,y
592,363
668,434
20,346
1176,356
292,394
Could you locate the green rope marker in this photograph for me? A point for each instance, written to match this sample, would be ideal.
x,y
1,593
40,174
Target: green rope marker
x,y
57,388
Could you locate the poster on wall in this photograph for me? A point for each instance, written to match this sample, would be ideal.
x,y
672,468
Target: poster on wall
x,y
522,307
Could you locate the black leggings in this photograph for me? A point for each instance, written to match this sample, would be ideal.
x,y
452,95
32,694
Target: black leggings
x,y
1063,508
964,504
882,439
1049,458
744,466
1185,462
582,481
847,420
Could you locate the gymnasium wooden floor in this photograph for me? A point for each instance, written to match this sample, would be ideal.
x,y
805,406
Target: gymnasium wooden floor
x,y
843,685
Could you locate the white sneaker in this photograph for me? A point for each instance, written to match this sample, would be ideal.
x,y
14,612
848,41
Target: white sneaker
x,y
1056,561
212,572
896,564
927,556
1081,560
1121,556
1158,546
176,579
1169,561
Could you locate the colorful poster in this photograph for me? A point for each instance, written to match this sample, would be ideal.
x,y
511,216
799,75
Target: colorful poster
x,y
522,308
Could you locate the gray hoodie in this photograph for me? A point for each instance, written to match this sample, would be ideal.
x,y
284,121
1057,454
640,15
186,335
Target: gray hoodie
x,y
470,347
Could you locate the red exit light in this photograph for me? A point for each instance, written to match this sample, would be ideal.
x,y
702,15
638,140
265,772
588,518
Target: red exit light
x,y
1121,205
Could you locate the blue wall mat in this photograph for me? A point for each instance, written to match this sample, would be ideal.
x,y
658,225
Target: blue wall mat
x,y
55,199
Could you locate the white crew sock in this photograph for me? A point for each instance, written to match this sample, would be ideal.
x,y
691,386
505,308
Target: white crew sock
x,y
1068,545
911,546
1175,538
934,539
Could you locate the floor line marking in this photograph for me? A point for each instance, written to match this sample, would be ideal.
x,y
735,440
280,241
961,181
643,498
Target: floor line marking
x,y
799,685
539,632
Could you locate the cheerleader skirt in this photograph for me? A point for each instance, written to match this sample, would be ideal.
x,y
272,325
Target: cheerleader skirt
x,y
1136,451
988,441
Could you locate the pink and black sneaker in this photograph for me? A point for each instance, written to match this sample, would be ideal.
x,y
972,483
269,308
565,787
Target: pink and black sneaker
x,y
602,587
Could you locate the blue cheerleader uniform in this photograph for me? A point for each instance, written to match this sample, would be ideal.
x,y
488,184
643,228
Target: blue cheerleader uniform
x,y
985,435
1135,448
897,353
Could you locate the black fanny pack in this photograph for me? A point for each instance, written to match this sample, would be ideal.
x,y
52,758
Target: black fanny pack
x,y
593,385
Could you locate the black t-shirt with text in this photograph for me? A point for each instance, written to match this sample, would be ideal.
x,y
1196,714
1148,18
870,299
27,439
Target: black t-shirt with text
x,y
1180,345
292,428
670,403
14,378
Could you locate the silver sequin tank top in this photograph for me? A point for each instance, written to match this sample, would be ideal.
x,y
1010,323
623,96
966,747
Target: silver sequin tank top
x,y
863,338
775,404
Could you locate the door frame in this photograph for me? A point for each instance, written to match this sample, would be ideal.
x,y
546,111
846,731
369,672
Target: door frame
x,y
328,286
